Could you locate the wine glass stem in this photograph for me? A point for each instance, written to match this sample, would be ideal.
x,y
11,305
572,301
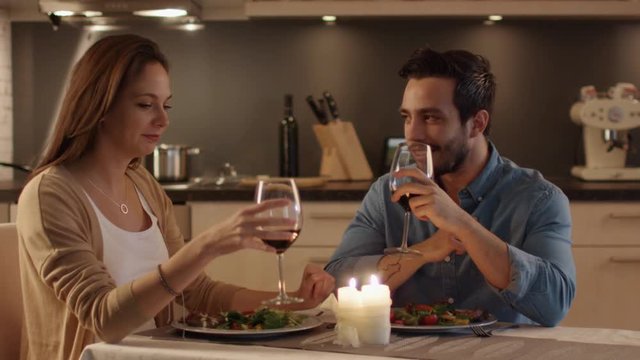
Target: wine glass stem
x,y
281,288
405,229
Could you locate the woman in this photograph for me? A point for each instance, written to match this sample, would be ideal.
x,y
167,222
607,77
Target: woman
x,y
101,255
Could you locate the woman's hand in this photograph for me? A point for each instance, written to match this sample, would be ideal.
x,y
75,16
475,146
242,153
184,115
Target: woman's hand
x,y
240,231
315,286
439,246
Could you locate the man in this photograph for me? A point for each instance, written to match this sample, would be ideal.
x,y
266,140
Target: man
x,y
492,235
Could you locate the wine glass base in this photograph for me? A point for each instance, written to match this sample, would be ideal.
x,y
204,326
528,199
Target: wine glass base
x,y
283,300
402,251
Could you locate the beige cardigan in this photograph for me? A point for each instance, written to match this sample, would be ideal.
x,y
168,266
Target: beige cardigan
x,y
70,300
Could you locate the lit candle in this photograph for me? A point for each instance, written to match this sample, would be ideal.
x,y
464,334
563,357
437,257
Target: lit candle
x,y
349,296
373,325
376,294
349,307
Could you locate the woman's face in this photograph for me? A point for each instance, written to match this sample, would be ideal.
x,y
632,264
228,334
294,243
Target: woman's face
x,y
138,116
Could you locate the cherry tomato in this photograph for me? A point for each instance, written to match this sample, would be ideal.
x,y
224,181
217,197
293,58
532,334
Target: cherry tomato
x,y
429,320
423,307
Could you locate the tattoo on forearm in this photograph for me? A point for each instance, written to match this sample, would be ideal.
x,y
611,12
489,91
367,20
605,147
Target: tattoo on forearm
x,y
391,269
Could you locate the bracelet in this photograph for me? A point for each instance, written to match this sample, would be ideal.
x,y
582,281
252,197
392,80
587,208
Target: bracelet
x,y
164,283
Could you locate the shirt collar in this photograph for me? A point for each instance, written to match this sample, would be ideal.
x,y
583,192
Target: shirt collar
x,y
484,182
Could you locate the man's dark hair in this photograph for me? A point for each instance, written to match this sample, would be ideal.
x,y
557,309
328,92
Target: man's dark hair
x,y
475,84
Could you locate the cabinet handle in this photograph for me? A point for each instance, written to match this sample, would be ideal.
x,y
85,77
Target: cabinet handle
x,y
622,216
332,216
625,259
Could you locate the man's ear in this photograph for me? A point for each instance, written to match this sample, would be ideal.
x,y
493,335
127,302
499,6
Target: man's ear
x,y
478,123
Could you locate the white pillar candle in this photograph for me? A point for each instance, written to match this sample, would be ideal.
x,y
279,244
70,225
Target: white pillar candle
x,y
348,310
349,296
375,294
373,320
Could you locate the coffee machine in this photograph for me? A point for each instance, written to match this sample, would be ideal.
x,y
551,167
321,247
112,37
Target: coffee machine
x,y
606,120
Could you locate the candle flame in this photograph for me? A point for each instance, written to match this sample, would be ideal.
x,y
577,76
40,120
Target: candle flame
x,y
352,282
374,280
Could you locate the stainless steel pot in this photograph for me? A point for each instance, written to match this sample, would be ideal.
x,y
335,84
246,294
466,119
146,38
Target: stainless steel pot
x,y
171,163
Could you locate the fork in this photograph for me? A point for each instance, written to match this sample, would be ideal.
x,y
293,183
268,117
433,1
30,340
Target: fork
x,y
482,332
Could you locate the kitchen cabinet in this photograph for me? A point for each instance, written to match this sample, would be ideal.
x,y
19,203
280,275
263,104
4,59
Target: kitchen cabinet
x,y
324,222
444,8
8,212
606,250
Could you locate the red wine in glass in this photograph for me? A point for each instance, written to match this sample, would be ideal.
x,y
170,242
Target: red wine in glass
x,y
282,245
279,188
409,154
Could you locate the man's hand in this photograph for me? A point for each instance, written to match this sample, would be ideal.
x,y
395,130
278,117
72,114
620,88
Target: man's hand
x,y
430,203
315,286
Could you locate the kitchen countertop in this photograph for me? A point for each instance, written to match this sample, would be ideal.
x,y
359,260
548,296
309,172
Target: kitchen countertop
x,y
576,190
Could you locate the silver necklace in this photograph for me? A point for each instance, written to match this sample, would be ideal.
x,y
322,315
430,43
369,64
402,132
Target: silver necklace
x,y
123,207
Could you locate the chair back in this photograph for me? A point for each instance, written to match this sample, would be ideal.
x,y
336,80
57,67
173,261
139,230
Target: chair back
x,y
11,294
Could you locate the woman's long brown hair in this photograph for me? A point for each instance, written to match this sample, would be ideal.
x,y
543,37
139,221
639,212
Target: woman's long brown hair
x,y
95,82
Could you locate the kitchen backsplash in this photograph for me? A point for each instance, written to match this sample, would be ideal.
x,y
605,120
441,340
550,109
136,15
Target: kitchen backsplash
x,y
229,80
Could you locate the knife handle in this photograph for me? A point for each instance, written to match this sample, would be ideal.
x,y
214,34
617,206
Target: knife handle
x,y
318,112
331,103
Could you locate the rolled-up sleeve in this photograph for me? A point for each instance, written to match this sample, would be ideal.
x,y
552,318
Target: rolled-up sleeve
x,y
543,274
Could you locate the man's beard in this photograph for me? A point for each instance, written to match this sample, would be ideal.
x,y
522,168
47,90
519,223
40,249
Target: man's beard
x,y
452,156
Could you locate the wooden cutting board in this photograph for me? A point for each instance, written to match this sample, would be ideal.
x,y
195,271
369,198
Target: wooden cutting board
x,y
301,182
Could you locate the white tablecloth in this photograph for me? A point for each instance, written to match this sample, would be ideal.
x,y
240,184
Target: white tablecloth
x,y
136,347
142,348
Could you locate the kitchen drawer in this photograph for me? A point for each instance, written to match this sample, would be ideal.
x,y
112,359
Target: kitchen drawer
x,y
207,214
607,289
259,270
606,223
323,222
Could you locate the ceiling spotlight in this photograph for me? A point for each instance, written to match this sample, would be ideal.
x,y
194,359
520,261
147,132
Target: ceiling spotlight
x,y
55,21
161,13
102,28
329,18
495,17
90,13
63,13
192,27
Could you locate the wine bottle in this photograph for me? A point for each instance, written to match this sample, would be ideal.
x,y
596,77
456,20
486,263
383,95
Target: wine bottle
x,y
288,140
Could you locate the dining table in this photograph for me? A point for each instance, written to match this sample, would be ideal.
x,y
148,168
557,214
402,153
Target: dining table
x,y
508,341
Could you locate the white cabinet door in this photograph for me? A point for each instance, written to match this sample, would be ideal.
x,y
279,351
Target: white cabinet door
x,y
606,251
608,288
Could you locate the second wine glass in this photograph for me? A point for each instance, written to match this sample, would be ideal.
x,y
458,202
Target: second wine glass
x,y
280,189
409,154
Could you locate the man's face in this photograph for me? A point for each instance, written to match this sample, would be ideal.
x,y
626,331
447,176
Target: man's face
x,y
431,117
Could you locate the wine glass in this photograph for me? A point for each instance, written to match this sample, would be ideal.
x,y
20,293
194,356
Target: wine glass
x,y
409,154
272,235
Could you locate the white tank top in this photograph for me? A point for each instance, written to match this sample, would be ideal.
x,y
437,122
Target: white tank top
x,y
128,254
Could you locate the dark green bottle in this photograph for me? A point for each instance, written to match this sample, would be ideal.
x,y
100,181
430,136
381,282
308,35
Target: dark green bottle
x,y
288,140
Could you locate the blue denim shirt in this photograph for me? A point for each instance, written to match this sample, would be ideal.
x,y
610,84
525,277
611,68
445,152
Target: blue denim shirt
x,y
518,205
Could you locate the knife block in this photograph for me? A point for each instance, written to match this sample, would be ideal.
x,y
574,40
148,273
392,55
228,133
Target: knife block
x,y
342,154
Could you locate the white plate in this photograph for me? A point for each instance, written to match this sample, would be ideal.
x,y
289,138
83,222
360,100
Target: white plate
x,y
440,328
307,324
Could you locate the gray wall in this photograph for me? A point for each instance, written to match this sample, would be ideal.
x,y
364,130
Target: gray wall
x,y
229,80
